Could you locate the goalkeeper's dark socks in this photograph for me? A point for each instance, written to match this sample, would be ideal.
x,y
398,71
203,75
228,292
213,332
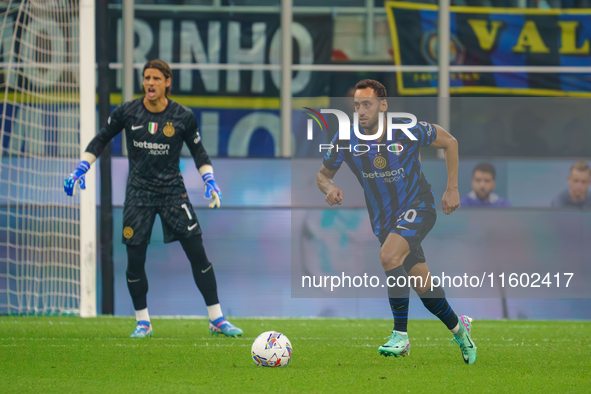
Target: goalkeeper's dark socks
x,y
398,297
137,282
435,301
202,269
138,289
207,285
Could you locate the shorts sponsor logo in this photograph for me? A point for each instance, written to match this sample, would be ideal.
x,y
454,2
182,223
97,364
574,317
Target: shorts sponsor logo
x,y
379,162
168,130
128,232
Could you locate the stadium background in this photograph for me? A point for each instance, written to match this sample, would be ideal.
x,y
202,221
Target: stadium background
x,y
250,240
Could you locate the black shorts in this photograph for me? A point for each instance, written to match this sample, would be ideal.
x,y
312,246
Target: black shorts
x,y
413,225
178,222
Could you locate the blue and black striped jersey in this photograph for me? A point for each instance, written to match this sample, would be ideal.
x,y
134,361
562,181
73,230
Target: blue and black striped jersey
x,y
389,173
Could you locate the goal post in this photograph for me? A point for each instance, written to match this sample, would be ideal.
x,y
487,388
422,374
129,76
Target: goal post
x,y
47,239
88,249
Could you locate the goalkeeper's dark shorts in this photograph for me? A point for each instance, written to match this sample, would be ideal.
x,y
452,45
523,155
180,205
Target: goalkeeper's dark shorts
x,y
178,222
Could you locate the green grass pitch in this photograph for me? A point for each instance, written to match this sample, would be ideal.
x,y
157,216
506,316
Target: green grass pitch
x,y
74,355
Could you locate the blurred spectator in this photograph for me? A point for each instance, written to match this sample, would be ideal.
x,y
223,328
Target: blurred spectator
x,y
577,195
483,184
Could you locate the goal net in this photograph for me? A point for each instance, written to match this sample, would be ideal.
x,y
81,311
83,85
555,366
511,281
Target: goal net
x,y
39,131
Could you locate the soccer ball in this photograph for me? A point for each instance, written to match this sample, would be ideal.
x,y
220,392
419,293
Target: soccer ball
x,y
271,349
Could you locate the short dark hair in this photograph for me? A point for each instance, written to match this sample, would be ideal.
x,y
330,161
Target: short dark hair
x,y
163,67
580,165
486,167
377,87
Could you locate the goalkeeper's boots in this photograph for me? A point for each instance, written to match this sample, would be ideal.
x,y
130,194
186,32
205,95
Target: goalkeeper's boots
x,y
463,338
397,345
221,325
143,329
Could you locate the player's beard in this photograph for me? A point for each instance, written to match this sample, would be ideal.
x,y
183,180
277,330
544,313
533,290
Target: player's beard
x,y
371,123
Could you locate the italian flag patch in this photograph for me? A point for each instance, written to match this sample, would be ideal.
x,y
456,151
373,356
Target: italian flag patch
x,y
152,127
397,148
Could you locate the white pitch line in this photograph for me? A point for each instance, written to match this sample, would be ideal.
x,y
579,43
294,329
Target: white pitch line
x,y
294,338
131,345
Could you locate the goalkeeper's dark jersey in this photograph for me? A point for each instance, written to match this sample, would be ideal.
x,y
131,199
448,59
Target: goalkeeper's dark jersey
x,y
154,142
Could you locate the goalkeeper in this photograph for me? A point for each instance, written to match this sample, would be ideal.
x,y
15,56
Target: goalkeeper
x,y
155,129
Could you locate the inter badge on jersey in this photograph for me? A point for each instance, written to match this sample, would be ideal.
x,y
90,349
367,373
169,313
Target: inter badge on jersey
x,y
379,162
152,127
168,130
